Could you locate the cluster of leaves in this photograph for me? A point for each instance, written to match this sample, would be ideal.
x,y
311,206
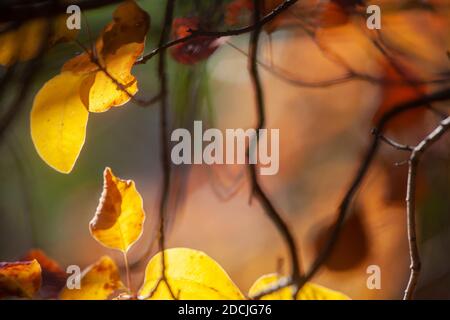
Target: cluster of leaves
x,y
118,224
94,81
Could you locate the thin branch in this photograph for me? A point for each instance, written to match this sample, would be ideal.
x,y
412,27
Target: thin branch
x,y
413,162
217,34
39,9
294,80
124,88
396,145
441,95
257,190
164,138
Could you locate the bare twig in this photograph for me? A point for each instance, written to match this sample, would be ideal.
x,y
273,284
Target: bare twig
x,y
165,152
217,34
413,162
396,145
257,190
441,95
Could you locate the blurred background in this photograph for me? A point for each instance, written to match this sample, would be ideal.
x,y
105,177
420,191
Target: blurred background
x,y
324,131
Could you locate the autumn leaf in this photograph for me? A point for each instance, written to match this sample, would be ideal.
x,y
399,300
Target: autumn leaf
x,y
191,274
310,291
25,42
118,222
53,276
58,121
98,282
20,279
118,47
60,109
194,50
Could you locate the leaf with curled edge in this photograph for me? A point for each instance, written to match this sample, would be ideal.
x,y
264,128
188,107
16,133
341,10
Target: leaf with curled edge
x,y
19,279
119,219
60,109
117,49
191,274
310,291
98,282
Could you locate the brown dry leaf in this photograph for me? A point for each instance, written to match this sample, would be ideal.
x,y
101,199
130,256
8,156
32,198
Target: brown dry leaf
x,y
19,279
98,282
118,222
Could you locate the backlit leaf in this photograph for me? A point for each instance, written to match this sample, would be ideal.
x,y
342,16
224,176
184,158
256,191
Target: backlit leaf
x,y
310,291
120,44
117,224
58,121
191,274
19,279
98,282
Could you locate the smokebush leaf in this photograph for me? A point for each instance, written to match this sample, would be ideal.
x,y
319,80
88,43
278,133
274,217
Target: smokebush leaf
x,y
118,222
98,282
191,274
310,291
58,121
19,279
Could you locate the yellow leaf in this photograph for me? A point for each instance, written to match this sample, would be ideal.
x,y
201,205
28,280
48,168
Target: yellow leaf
x,y
117,224
191,274
19,279
310,291
120,44
58,121
25,42
98,282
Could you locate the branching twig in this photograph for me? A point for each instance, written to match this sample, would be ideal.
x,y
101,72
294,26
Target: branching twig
x,y
441,95
217,34
413,162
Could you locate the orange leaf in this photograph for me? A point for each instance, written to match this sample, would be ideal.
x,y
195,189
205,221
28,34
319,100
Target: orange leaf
x,y
194,50
53,276
19,279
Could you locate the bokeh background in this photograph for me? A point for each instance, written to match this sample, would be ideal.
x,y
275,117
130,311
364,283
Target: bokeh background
x,y
323,134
